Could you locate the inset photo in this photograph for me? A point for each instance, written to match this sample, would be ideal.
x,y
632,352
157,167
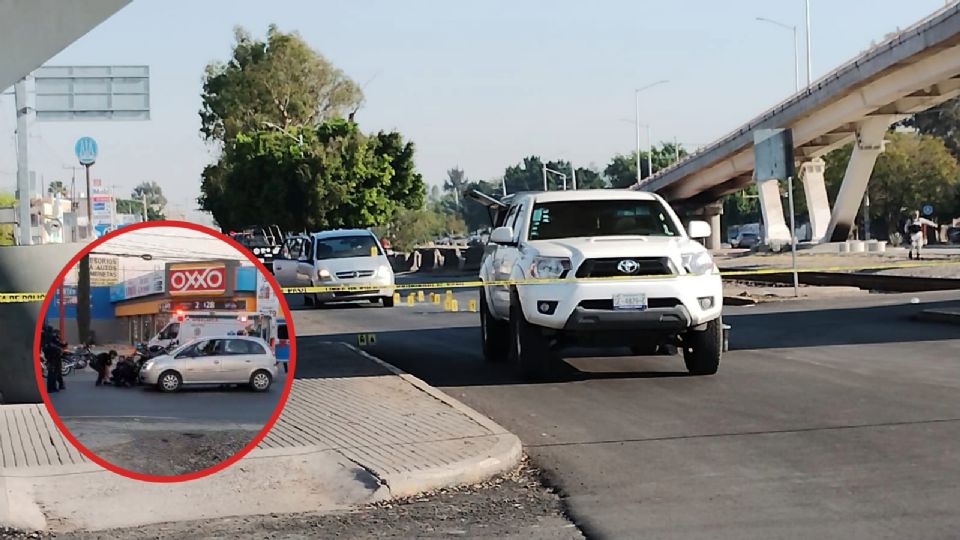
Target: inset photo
x,y
165,351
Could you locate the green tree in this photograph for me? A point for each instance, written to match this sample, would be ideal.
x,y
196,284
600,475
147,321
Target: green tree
x,y
621,172
278,82
130,206
942,122
913,170
7,200
528,176
408,228
57,188
156,202
312,178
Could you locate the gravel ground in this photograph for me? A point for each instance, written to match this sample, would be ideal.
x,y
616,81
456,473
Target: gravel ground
x,y
169,453
513,506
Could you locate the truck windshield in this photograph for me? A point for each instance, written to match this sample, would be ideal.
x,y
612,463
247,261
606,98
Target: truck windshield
x,y
571,219
344,247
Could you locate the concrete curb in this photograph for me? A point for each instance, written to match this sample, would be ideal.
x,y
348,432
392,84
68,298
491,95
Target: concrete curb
x,y
939,315
263,482
505,455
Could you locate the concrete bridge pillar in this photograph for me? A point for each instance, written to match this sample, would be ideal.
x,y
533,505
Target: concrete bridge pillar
x,y
815,191
866,150
771,205
711,214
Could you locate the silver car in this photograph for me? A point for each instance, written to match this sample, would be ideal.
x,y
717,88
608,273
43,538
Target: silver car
x,y
213,360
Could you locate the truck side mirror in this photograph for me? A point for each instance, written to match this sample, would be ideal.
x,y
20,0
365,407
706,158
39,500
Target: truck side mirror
x,y
502,236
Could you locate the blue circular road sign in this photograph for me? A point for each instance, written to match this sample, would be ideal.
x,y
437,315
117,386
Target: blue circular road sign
x,y
927,209
86,150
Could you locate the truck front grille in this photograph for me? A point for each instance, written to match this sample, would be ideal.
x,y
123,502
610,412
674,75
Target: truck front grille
x,y
609,267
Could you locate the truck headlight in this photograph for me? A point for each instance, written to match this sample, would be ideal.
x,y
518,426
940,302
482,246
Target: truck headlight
x,y
549,267
384,271
698,262
324,275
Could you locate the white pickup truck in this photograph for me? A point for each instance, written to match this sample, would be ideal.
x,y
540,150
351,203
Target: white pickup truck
x,y
352,257
616,268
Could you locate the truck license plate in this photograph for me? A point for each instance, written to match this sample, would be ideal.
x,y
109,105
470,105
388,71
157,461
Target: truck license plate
x,y
630,301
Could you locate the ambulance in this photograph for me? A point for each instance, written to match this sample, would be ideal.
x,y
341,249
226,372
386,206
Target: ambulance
x,y
187,326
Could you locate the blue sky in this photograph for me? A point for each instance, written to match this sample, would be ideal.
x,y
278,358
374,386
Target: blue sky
x,y
479,84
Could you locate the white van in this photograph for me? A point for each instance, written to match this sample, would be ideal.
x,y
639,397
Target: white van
x,y
338,258
194,327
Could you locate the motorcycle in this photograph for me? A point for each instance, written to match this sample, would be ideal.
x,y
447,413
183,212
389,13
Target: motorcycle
x,y
80,357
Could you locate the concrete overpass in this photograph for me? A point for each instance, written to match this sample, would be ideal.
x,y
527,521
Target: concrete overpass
x,y
917,69
33,31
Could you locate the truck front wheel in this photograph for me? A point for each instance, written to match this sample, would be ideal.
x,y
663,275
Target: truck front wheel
x,y
702,349
495,334
528,347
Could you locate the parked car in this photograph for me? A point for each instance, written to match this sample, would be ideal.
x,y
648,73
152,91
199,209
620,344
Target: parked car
x,y
953,235
746,240
574,239
338,258
217,360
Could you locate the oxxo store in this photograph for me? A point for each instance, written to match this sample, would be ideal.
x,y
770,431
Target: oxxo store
x,y
203,288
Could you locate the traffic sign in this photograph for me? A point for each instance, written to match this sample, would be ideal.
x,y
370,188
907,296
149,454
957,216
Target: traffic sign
x,y
927,209
86,150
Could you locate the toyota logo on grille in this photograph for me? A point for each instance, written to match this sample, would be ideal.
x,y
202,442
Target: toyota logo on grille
x,y
628,266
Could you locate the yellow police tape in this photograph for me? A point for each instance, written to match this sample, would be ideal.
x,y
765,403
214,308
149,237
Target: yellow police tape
x,y
17,298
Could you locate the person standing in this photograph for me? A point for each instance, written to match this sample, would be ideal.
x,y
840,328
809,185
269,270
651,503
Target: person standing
x,y
54,356
914,231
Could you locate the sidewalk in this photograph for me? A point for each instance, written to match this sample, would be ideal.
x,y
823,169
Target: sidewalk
x,y
354,431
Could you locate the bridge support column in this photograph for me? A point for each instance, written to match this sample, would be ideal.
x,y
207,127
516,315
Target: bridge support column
x,y
815,191
866,150
771,205
711,214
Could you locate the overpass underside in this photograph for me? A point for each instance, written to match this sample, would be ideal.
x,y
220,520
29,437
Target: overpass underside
x,y
857,103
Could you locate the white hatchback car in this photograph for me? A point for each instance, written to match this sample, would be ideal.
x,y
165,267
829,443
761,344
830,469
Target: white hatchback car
x,y
213,360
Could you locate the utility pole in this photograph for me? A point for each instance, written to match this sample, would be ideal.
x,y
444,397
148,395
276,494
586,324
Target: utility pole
x,y
649,153
866,216
23,171
545,177
809,61
573,175
89,207
83,299
145,218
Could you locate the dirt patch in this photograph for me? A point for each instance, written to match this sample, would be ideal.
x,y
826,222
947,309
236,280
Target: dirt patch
x,y
169,453
512,506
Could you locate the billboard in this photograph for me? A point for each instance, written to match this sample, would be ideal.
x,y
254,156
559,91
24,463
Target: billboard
x,y
92,93
104,270
200,278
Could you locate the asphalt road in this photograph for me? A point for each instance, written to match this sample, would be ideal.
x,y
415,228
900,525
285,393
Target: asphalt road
x,y
835,419
82,399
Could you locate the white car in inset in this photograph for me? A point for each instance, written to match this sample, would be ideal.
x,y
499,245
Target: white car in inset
x,y
616,268
214,360
349,258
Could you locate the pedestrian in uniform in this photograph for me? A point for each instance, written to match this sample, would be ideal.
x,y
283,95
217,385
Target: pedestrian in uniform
x,y
54,357
914,231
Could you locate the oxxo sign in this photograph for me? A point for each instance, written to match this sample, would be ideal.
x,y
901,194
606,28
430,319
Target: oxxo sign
x,y
199,279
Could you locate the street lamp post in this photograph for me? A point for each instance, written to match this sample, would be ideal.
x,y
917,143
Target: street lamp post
x,y
796,51
809,62
636,95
